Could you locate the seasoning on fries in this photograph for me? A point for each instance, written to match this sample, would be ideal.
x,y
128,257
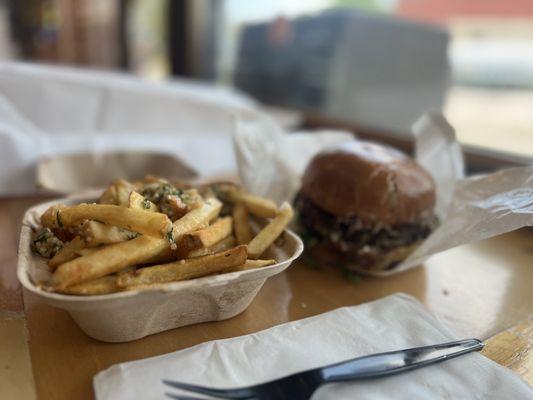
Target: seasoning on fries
x,y
151,232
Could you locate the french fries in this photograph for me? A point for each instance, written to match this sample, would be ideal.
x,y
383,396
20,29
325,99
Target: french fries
x,y
96,233
184,269
251,264
131,243
67,253
270,232
113,258
211,235
87,250
243,232
138,201
103,285
117,193
146,222
224,244
254,204
196,219
107,260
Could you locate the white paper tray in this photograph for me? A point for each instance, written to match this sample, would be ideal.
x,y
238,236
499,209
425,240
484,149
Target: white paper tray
x,y
67,173
126,316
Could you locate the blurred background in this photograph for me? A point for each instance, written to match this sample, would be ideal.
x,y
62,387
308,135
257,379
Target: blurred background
x,y
371,66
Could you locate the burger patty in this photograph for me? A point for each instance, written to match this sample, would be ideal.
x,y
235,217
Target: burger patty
x,y
350,236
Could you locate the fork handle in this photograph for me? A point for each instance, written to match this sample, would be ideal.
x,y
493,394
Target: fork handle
x,y
394,362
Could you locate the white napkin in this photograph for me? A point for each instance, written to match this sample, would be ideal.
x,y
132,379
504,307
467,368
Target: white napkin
x,y
392,323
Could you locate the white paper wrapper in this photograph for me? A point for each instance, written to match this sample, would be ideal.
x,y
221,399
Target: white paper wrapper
x,y
271,164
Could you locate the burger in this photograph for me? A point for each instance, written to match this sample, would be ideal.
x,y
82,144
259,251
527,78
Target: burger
x,y
365,206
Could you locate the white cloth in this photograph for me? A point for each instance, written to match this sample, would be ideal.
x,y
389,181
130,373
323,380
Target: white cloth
x,y
391,323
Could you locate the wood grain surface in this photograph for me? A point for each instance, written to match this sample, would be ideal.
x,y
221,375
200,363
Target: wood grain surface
x,y
513,348
478,290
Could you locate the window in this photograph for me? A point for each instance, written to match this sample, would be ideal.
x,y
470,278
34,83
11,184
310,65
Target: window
x,y
488,90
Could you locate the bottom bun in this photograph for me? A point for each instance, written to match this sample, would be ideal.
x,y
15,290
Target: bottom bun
x,y
325,254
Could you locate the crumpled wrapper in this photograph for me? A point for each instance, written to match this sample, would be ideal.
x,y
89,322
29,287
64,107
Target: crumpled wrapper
x,y
271,163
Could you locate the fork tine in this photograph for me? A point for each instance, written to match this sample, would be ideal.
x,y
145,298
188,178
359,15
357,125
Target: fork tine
x,y
235,394
178,397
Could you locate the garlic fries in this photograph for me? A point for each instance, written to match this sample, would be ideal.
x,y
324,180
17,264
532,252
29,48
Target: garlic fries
x,y
137,237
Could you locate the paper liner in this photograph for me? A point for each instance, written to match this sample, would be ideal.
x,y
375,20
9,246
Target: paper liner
x,y
272,162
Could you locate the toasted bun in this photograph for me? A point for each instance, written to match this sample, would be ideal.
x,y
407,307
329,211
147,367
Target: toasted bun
x,y
377,184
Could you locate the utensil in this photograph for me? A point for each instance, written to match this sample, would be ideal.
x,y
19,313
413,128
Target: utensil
x,y
302,385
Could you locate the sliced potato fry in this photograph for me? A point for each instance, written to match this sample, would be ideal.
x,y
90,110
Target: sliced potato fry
x,y
107,260
103,285
138,201
109,196
184,269
96,233
88,250
270,232
196,219
196,242
150,223
224,244
50,218
254,204
251,264
67,253
124,189
243,231
117,193
214,233
116,257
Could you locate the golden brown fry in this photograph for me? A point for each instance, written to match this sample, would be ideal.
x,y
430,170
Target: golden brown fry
x,y
150,223
116,257
243,231
213,234
190,243
138,201
224,244
251,264
196,219
184,269
270,232
254,204
117,193
96,233
202,238
103,285
107,260
124,189
109,196
50,218
88,250
67,253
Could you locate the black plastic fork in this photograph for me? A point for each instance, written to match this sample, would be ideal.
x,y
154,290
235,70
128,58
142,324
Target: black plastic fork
x,y
302,385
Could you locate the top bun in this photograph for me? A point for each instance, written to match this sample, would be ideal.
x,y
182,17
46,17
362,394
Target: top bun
x,y
375,183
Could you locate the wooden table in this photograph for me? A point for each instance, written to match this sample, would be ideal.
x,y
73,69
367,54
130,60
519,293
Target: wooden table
x,y
478,290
